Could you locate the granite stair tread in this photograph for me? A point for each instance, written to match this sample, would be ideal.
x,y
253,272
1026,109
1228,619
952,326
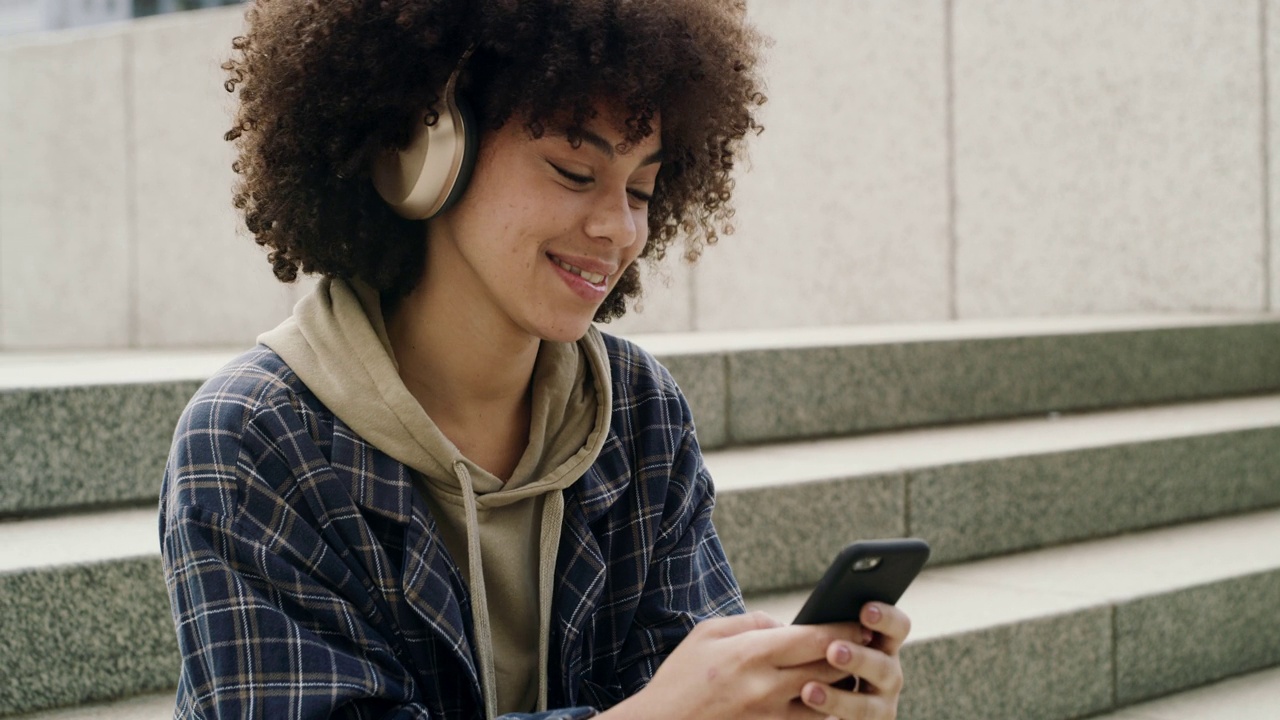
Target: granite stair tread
x,y
946,330
996,488
1093,627
24,369
757,465
158,706
1255,696
86,537
770,469
93,429
1000,591
78,538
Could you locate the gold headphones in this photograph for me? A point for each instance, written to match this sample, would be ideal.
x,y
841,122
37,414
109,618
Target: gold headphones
x,y
431,174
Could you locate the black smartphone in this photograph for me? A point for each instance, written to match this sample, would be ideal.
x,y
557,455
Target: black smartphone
x,y
865,571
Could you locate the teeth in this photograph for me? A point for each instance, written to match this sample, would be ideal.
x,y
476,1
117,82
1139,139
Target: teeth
x,y
593,278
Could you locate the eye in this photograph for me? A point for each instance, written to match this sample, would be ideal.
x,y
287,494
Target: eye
x,y
642,197
571,177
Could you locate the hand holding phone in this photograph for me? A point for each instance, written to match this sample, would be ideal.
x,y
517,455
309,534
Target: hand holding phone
x,y
865,571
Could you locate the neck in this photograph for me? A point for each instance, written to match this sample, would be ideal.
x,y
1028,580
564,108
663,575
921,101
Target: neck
x,y
459,370
467,363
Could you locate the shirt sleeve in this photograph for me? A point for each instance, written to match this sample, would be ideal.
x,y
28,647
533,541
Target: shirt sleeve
x,y
689,579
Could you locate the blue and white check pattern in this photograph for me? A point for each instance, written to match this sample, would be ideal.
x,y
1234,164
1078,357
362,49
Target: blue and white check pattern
x,y
308,579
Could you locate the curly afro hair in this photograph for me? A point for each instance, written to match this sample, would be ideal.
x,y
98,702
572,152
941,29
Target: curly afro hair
x,y
326,85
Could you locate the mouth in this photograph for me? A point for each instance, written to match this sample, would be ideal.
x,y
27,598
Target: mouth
x,y
591,277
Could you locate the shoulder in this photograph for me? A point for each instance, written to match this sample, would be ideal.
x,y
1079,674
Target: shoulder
x,y
254,382
637,374
654,430
651,420
238,429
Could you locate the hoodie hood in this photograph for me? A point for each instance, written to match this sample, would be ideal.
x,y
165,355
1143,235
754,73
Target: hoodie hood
x,y
336,342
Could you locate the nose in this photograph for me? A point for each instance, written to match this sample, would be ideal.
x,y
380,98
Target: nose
x,y
612,219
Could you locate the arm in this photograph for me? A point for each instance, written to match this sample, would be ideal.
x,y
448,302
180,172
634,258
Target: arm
x,y
689,579
276,584
271,619
259,637
750,666
262,639
745,666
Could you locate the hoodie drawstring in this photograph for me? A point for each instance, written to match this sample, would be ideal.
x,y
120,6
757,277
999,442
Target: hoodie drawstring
x,y
552,517
479,598
549,544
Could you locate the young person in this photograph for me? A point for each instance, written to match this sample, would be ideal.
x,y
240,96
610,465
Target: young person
x,y
437,491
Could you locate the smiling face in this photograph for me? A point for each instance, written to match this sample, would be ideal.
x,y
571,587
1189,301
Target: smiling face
x,y
544,230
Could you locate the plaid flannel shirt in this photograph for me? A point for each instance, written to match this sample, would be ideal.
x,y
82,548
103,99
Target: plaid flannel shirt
x,y
308,579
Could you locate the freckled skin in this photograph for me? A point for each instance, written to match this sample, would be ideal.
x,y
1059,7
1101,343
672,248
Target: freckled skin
x,y
490,251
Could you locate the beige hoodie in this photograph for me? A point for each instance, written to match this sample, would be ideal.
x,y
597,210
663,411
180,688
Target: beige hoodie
x,y
336,342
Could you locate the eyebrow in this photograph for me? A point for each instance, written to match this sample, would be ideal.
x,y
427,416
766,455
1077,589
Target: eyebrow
x,y
606,147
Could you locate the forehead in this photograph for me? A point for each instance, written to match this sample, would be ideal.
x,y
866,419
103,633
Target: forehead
x,y
608,132
613,144
607,120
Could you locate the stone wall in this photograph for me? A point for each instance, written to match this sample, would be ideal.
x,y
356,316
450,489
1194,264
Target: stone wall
x,y
923,160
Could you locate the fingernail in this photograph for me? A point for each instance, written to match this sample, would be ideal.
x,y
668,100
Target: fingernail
x,y
872,613
867,636
843,653
817,696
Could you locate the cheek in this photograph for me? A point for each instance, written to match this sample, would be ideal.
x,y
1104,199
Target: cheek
x,y
642,234
552,215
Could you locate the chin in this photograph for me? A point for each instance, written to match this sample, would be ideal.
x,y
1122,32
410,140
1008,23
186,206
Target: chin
x,y
567,331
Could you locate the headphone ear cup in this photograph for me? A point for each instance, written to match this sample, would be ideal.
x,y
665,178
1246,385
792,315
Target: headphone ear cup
x,y
431,173
464,121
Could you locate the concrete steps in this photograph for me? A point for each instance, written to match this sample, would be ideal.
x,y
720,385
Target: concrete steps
x,y
1080,629
144,707
756,387
1061,632
993,488
1102,496
86,614
82,431
1250,697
